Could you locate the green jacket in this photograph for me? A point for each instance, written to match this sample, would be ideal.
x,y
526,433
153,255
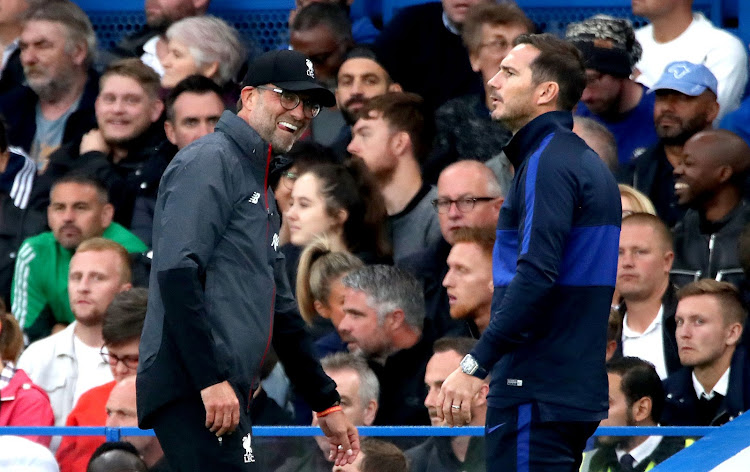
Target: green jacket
x,y
40,279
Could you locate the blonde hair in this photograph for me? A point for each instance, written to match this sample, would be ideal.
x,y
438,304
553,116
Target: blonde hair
x,y
320,263
640,202
102,244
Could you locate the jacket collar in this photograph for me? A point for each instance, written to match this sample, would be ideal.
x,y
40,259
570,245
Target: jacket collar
x,y
247,140
527,139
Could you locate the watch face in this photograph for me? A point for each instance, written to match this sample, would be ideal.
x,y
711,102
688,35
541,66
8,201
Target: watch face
x,y
468,364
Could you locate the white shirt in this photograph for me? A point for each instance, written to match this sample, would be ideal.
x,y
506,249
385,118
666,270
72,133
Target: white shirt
x,y
648,345
52,364
700,43
23,455
88,360
642,451
149,56
721,387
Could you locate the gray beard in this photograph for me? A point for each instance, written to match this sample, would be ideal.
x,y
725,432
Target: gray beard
x,y
53,90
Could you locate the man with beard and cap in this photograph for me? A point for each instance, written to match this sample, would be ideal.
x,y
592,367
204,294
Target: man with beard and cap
x,y
611,97
149,44
636,398
685,104
218,294
710,180
360,78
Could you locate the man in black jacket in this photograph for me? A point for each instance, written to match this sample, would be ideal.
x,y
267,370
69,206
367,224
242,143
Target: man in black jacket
x,y
648,299
218,291
128,150
710,181
714,385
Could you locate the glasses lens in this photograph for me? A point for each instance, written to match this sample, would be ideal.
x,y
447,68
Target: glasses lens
x,y
289,100
465,204
288,179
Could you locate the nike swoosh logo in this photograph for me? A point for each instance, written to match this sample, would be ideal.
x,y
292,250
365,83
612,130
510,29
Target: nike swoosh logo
x,y
490,430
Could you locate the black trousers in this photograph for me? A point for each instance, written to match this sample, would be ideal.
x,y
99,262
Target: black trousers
x,y
190,447
516,440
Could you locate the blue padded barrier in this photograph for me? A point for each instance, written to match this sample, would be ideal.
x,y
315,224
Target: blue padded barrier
x,y
380,431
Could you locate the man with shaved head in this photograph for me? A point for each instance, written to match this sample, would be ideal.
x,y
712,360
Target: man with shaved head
x,y
709,180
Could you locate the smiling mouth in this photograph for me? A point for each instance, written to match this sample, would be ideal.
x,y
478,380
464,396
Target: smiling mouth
x,y
286,126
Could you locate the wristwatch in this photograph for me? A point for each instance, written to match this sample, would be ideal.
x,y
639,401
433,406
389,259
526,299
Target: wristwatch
x,y
470,366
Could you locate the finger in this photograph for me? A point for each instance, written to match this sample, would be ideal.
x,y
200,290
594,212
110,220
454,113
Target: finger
x,y
235,418
210,415
226,423
441,401
354,445
465,412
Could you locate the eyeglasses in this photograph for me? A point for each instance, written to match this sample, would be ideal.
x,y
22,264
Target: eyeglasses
x,y
290,101
131,362
289,177
463,204
496,45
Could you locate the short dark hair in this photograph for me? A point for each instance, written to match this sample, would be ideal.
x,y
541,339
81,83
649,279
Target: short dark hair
x,y
639,379
363,51
614,325
197,84
331,15
462,345
124,318
135,69
382,456
558,61
729,298
84,178
404,111
127,457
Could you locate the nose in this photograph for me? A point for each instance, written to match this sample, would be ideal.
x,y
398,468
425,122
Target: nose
x,y
495,81
448,279
121,369
291,213
205,128
453,212
353,146
343,327
431,398
586,96
626,259
298,113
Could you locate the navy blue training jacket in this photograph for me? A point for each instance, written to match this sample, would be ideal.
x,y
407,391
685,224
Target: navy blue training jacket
x,y
554,269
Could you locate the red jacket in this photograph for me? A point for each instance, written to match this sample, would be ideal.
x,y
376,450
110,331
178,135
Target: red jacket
x,y
23,403
91,410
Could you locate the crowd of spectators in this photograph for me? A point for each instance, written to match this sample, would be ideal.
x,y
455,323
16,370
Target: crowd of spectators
x,y
389,206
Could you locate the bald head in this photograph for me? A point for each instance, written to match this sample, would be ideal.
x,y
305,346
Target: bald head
x,y
711,174
724,147
117,460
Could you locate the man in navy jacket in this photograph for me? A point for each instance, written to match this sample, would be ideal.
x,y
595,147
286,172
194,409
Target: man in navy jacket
x,y
554,269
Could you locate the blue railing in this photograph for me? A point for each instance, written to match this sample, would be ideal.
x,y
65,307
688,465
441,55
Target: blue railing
x,y
114,434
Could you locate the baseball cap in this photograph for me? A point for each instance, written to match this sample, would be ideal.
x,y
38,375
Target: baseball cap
x,y
686,77
288,70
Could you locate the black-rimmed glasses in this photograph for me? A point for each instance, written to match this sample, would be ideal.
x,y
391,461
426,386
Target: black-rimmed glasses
x,y
131,362
290,101
463,204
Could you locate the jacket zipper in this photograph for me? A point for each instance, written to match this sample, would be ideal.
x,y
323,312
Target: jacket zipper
x,y
273,292
711,245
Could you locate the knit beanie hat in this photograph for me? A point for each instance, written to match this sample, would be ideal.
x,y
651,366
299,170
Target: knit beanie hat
x,y
608,44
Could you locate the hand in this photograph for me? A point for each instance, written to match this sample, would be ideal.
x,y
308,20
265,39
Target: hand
x,y
458,389
222,408
340,432
93,141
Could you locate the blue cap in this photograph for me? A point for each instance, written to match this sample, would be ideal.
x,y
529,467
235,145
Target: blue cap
x,y
688,78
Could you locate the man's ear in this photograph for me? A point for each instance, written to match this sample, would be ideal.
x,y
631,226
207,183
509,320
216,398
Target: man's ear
x,y
156,110
395,87
169,131
547,93
641,409
396,319
370,411
400,143
108,213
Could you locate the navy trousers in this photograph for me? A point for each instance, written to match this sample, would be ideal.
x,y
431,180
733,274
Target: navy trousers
x,y
517,441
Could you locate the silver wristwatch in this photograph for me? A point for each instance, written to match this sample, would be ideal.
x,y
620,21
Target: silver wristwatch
x,y
470,366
